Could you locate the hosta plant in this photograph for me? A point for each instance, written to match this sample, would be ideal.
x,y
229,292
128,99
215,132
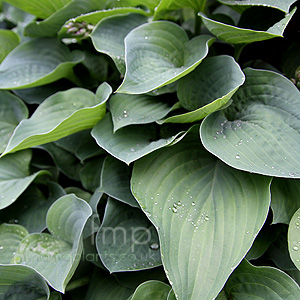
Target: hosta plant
x,y
149,149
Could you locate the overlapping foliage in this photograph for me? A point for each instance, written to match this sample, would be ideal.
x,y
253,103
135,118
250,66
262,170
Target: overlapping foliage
x,y
149,149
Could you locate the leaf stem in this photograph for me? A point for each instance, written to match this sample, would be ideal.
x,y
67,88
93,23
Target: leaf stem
x,y
78,283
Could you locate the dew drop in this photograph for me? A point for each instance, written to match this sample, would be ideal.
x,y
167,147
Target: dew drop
x,y
125,114
292,174
132,149
154,246
174,209
295,248
237,156
193,203
1,247
214,137
146,38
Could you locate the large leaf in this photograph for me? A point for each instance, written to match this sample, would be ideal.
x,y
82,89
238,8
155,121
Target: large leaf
x,y
137,109
151,290
53,23
166,6
250,282
132,142
159,53
10,238
259,131
126,239
115,181
12,111
22,283
40,8
31,209
283,5
204,94
60,115
55,256
108,36
237,35
285,199
206,213
37,62
294,239
15,176
8,40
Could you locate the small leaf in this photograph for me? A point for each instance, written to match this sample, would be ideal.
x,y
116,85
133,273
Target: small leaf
x,y
115,181
137,109
236,35
250,282
151,290
106,287
285,199
65,161
130,143
279,4
12,111
259,131
53,23
14,176
126,239
198,204
10,238
159,53
37,62
22,283
55,256
294,239
8,40
109,34
90,173
40,8
31,209
59,115
166,6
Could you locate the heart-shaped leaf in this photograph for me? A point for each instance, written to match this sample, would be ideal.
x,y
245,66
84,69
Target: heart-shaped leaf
x,y
199,205
115,181
37,62
126,239
236,35
12,111
21,282
8,40
137,109
259,131
283,5
15,176
159,53
108,36
151,290
285,199
10,238
294,239
60,115
204,94
40,8
250,282
53,23
55,256
132,142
